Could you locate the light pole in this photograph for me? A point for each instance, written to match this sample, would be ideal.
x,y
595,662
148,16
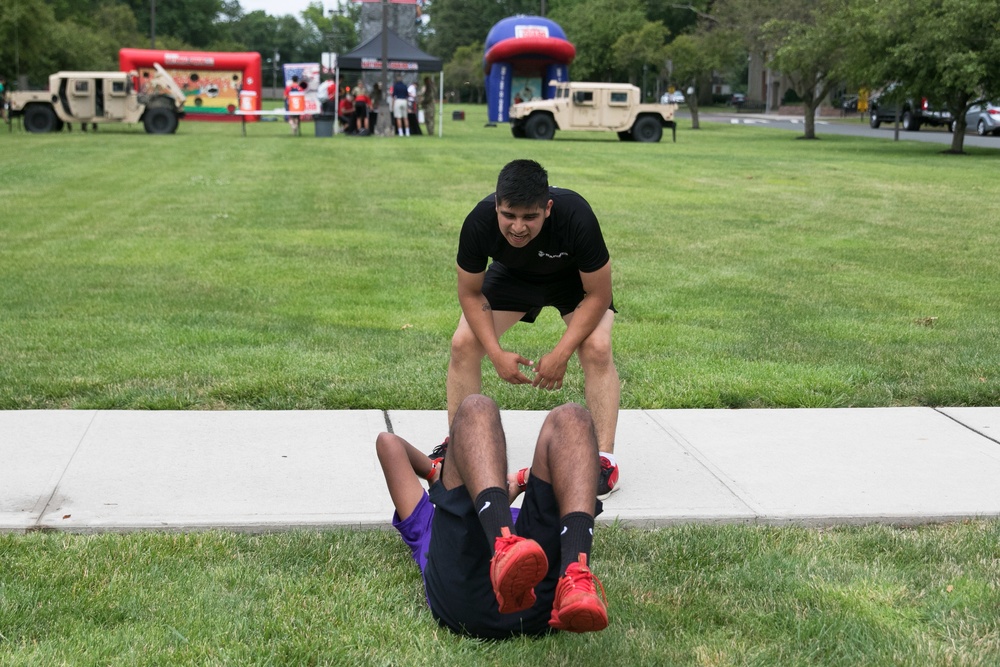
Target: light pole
x,y
336,41
274,72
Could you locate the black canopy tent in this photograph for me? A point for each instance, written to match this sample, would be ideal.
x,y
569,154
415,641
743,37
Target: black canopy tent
x,y
402,57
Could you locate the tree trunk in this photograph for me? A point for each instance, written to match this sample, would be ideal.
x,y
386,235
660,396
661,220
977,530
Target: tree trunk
x,y
692,101
383,126
810,119
958,137
958,115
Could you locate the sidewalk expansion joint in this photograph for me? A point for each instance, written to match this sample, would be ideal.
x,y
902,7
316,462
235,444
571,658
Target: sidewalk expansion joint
x,y
731,485
963,424
44,501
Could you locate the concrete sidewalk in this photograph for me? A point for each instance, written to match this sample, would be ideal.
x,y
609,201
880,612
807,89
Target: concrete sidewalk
x,y
92,471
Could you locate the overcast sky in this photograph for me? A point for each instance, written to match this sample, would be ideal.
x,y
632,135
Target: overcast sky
x,y
281,7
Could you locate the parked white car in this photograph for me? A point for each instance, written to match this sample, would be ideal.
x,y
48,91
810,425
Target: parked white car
x,y
676,97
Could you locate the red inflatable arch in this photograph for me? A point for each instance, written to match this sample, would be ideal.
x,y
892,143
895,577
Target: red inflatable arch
x,y
216,84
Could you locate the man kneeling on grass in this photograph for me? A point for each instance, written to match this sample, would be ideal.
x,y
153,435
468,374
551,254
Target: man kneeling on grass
x,y
492,571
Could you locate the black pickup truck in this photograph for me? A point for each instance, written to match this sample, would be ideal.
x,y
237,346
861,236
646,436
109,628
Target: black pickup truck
x,y
912,114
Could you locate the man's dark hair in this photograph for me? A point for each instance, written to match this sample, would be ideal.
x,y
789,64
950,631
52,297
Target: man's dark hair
x,y
523,183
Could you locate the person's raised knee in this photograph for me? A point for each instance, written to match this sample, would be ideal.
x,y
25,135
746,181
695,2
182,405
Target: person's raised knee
x,y
570,415
476,404
595,351
464,344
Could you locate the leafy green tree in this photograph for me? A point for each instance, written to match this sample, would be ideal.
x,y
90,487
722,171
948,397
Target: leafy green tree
x,y
458,23
255,31
594,27
677,18
192,21
25,29
808,45
945,50
805,40
695,56
641,50
326,33
463,74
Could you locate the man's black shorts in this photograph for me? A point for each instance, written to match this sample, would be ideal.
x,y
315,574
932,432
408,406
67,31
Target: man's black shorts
x,y
458,563
506,292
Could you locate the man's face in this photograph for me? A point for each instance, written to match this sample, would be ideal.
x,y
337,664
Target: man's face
x,y
520,224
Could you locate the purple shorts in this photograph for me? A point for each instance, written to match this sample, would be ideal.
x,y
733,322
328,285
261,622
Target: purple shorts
x,y
416,529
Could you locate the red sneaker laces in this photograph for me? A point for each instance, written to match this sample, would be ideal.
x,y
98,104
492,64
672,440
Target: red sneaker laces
x,y
505,539
581,578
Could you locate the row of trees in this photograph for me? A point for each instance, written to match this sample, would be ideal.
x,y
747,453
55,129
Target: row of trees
x,y
39,37
947,50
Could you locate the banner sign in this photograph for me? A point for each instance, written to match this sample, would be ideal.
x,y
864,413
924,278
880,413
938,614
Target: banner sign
x,y
395,65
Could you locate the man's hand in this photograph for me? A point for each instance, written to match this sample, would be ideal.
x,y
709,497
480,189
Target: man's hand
x,y
508,366
549,372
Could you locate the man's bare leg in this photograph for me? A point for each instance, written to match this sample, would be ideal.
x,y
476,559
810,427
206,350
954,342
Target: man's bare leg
x,y
566,455
465,367
477,453
477,459
601,385
566,458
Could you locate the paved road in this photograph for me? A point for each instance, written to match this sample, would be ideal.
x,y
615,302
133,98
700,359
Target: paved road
x,y
856,127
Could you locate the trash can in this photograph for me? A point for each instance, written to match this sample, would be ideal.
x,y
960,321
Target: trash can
x,y
324,125
248,100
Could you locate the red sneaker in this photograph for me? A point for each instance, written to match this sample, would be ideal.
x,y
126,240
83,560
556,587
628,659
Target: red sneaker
x,y
437,456
607,482
578,608
518,565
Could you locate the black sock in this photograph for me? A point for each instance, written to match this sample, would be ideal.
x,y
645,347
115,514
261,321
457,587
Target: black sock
x,y
576,537
493,509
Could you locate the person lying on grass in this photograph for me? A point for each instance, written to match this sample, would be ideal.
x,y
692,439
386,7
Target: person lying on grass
x,y
492,571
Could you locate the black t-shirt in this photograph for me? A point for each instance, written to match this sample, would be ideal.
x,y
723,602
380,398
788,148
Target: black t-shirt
x,y
570,241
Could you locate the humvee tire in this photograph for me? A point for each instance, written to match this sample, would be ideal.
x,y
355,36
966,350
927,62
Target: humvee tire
x,y
540,126
40,118
159,120
647,129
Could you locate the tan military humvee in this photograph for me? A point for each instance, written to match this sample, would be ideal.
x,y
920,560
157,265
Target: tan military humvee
x,y
101,97
581,105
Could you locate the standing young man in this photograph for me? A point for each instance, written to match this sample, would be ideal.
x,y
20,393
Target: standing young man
x,y
547,250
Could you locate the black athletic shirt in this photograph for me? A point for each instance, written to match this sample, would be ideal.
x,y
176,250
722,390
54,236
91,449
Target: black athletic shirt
x,y
570,241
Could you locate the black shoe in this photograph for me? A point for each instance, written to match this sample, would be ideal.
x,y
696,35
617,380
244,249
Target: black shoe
x,y
607,483
439,452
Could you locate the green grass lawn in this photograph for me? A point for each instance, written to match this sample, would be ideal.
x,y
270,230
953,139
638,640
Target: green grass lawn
x,y
210,271
206,270
695,595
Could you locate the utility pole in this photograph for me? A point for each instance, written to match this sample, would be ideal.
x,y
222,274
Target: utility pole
x,y
385,124
385,48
